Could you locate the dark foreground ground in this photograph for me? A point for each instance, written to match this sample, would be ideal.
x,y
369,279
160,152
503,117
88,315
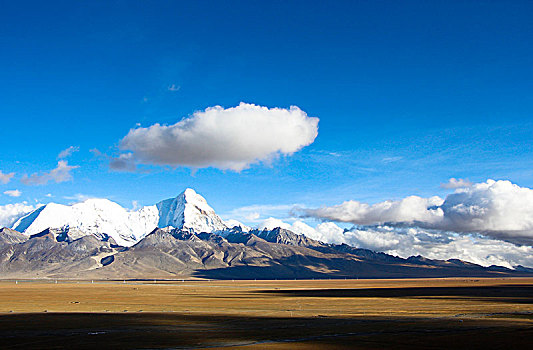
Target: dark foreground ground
x,y
372,314
157,330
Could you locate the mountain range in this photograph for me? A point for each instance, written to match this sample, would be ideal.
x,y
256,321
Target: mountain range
x,y
183,237
104,218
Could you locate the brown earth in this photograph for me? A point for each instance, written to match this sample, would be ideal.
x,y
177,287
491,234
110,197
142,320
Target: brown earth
x,y
321,314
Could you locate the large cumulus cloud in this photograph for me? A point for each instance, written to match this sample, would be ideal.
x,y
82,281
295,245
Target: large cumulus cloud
x,y
231,138
499,209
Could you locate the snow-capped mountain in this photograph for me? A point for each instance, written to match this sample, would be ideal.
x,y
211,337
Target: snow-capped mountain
x,y
189,210
104,218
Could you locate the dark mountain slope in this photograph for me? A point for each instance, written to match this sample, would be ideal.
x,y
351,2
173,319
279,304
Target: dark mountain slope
x,y
183,253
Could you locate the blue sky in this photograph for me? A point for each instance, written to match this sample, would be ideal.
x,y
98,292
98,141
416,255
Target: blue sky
x,y
409,94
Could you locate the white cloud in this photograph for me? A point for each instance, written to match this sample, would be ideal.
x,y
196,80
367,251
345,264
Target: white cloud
x,y
232,223
498,209
326,232
411,209
61,173
231,138
5,178
255,214
68,152
96,152
10,213
405,242
272,223
391,159
13,193
454,183
174,87
79,197
135,205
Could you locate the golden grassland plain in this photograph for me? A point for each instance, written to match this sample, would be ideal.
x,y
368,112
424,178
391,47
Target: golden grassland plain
x,y
303,314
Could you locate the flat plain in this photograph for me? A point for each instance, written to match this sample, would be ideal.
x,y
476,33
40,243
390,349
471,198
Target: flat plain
x,y
304,314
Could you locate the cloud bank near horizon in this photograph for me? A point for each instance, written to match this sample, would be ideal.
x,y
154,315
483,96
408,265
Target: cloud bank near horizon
x,y
224,138
405,242
497,209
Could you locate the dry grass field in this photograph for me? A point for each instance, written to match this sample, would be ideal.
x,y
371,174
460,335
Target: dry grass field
x,y
321,314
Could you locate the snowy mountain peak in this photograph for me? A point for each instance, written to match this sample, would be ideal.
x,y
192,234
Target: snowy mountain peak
x,y
102,218
98,217
97,202
189,196
189,192
189,210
